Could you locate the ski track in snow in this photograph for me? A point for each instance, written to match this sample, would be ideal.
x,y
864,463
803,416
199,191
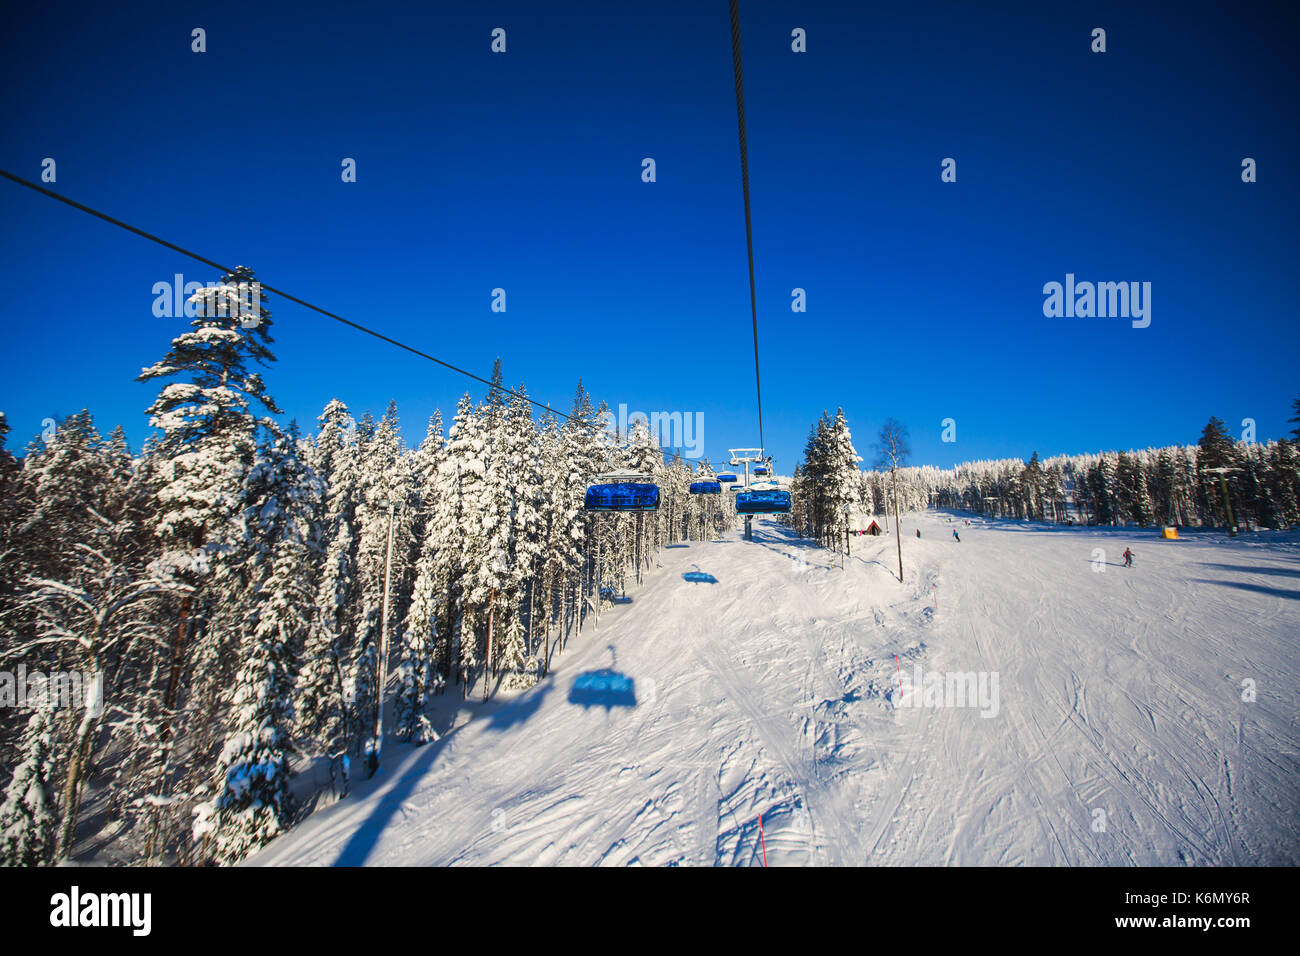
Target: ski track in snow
x,y
772,691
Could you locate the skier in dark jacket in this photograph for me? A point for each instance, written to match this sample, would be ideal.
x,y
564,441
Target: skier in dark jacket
x,y
956,535
918,532
1128,558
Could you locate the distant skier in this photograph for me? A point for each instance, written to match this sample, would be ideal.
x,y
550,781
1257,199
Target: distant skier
x,y
1128,557
918,532
956,535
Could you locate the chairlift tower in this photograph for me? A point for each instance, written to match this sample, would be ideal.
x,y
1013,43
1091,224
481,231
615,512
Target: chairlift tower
x,y
744,456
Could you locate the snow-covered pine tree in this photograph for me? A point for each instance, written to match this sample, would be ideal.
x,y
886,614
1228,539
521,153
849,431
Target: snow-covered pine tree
x,y
106,605
28,819
210,415
1283,482
816,463
643,456
69,480
516,443
1031,487
841,477
467,451
323,695
560,508
253,803
384,488
493,575
418,652
1215,449
584,449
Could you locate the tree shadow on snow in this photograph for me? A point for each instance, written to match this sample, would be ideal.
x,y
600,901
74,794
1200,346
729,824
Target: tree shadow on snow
x,y
362,842
1254,569
1257,588
518,711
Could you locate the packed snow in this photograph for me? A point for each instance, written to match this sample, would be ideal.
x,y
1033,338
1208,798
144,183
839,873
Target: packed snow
x,y
1144,715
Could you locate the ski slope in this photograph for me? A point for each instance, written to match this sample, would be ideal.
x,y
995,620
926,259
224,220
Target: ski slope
x,y
773,691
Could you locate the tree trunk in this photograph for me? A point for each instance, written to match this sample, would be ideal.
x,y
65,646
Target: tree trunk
x,y
80,758
174,678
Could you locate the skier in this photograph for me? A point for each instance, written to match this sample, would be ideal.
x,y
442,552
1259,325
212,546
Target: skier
x,y
918,532
1128,558
956,535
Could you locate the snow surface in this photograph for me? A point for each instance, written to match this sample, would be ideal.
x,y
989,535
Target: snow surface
x,y
771,689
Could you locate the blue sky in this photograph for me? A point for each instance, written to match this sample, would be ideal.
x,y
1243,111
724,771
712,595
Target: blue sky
x,y
523,171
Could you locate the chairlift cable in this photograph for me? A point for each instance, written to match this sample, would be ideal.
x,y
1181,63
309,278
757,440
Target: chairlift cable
x,y
744,179
282,294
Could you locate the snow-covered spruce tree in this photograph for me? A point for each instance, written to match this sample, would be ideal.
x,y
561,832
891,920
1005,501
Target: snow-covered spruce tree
x,y
1215,449
418,647
466,454
253,803
12,511
674,492
491,576
1102,479
1283,482
8,463
383,492
1031,486
10,480
813,489
1131,490
517,445
68,478
646,457
27,815
324,710
584,450
423,478
558,509
842,486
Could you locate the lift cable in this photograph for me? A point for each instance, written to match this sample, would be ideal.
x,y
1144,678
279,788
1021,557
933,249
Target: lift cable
x,y
225,270
744,178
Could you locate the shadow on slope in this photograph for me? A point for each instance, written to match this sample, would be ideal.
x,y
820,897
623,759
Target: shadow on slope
x,y
362,842
605,687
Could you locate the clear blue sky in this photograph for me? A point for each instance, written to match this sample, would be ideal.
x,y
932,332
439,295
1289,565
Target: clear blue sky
x,y
523,171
